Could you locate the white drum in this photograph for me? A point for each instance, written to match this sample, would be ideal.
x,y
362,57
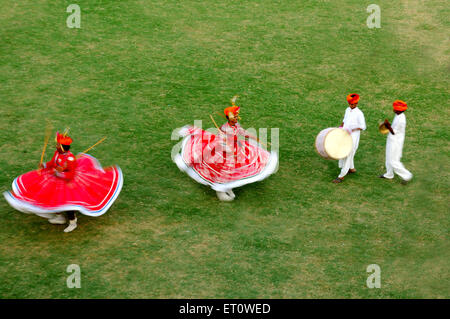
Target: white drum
x,y
334,143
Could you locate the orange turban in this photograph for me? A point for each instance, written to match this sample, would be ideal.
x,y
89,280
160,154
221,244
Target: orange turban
x,y
352,98
400,105
232,109
63,139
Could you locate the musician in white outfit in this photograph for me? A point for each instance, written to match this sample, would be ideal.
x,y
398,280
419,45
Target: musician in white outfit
x,y
394,144
354,123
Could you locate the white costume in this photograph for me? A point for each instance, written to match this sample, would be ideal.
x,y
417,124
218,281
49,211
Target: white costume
x,y
394,147
353,119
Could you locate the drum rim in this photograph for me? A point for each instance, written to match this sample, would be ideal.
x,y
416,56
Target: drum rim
x,y
330,129
315,141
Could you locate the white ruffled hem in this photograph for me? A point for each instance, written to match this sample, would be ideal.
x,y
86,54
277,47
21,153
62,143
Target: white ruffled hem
x,y
271,168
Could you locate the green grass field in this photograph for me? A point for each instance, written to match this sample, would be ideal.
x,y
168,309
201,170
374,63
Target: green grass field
x,y
136,70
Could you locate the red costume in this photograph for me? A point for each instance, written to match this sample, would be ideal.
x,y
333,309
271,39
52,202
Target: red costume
x,y
223,161
64,165
67,183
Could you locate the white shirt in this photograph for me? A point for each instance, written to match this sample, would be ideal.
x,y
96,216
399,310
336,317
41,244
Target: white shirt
x,y
399,128
354,118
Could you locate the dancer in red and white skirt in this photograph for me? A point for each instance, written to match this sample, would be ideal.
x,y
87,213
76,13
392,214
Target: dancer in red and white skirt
x,y
67,184
223,161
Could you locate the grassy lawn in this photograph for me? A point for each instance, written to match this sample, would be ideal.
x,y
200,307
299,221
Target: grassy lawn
x,y
136,70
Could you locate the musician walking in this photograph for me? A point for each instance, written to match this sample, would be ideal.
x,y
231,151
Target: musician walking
x,y
394,144
354,123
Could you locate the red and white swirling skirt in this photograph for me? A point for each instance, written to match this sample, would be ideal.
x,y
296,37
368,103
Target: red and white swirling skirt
x,y
210,160
92,190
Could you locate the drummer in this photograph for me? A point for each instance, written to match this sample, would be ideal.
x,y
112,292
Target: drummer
x,y
354,123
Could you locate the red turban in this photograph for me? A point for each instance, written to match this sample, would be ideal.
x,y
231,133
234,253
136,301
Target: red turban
x,y
352,98
63,139
232,109
400,105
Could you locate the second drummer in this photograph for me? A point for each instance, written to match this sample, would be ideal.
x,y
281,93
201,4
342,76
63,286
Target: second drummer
x,y
394,144
354,123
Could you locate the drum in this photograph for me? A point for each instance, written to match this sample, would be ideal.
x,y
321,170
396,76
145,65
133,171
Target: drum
x,y
334,143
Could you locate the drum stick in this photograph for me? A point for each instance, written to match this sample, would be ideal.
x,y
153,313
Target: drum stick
x,y
48,131
257,139
91,147
212,119
221,115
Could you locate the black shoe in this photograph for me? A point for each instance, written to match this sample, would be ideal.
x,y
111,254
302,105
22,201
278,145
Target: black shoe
x,y
338,180
381,176
403,182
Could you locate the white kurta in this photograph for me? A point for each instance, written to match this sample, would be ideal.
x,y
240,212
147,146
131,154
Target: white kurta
x,y
353,119
394,148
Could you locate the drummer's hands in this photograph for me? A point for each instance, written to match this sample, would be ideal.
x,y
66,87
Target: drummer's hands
x,y
388,126
41,166
59,169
